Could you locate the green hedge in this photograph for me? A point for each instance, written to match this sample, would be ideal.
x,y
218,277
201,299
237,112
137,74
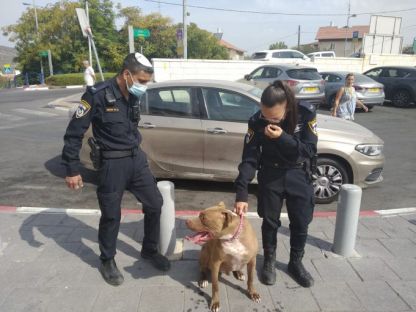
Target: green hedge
x,y
72,79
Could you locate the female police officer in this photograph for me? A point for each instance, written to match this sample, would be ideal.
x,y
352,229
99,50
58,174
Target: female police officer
x,y
280,142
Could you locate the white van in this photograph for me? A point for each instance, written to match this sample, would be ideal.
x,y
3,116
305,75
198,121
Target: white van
x,y
281,56
322,54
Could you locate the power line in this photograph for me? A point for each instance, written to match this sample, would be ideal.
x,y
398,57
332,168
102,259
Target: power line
x,y
278,13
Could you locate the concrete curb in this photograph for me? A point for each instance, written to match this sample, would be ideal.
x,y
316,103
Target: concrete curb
x,y
34,88
185,213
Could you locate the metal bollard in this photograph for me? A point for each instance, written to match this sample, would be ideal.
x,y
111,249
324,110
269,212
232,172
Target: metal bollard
x,y
348,211
167,238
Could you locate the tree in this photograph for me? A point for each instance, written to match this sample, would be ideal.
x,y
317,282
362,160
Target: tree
x,y
162,40
278,45
59,32
203,45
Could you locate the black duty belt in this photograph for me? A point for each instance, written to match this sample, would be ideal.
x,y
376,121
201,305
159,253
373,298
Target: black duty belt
x,y
119,154
270,164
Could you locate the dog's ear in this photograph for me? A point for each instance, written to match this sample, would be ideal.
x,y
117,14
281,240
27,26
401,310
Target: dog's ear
x,y
228,217
221,204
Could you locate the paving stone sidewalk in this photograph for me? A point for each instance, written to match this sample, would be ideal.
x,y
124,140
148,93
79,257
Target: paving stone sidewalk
x,y
48,262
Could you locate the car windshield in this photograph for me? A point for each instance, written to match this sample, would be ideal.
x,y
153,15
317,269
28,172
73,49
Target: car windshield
x,y
362,78
256,92
259,55
304,74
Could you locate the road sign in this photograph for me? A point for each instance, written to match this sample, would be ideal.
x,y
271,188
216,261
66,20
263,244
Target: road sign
x,y
7,69
141,32
43,53
83,21
355,34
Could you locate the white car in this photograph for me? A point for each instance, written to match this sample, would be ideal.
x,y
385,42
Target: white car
x,y
322,54
281,56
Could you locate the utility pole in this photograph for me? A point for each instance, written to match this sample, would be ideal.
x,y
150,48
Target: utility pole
x,y
346,31
185,32
89,39
298,37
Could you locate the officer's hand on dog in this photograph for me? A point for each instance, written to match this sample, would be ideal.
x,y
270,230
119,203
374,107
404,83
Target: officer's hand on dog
x,y
240,208
74,182
273,131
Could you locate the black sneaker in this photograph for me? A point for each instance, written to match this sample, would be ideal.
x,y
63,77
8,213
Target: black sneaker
x,y
110,272
159,261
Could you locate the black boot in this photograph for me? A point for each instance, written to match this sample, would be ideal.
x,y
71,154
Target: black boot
x,y
297,270
268,273
158,260
110,272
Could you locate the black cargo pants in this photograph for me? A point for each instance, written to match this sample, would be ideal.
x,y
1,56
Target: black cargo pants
x,y
129,173
295,186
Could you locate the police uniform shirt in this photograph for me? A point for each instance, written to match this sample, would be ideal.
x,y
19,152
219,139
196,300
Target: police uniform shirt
x,y
285,151
111,116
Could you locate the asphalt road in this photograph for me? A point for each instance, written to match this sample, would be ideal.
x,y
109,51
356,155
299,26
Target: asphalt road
x,y
31,174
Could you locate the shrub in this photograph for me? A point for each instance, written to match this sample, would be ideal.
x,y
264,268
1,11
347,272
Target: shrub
x,y
72,79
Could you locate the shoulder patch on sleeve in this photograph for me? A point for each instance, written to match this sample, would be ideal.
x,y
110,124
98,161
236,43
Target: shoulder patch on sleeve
x,y
82,109
249,136
313,126
310,107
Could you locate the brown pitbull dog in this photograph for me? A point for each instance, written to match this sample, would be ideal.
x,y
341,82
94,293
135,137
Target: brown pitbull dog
x,y
229,244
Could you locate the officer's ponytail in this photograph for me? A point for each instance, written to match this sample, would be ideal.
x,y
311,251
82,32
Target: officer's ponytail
x,y
276,94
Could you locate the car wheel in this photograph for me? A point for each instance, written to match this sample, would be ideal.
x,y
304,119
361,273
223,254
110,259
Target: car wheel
x,y
401,98
330,176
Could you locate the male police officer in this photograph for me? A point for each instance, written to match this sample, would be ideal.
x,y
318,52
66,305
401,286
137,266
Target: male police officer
x,y
113,109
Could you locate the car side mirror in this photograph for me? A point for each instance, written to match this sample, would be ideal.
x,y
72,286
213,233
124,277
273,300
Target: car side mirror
x,y
247,77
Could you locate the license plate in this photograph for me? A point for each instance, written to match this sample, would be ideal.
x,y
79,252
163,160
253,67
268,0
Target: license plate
x,y
374,90
310,89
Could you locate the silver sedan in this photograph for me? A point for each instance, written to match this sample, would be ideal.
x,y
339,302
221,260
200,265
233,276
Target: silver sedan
x,y
194,129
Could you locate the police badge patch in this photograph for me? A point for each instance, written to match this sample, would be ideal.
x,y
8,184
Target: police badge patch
x,y
83,109
313,126
249,135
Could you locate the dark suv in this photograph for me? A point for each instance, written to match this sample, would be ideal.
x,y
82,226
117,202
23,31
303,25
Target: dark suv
x,y
399,83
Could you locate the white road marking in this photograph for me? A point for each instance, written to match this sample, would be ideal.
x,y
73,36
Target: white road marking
x,y
9,117
34,112
32,187
395,211
58,210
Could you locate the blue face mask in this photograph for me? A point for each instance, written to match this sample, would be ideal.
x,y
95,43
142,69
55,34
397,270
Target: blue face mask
x,y
137,89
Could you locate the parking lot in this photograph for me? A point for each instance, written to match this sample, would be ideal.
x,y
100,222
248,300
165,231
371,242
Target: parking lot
x,y
31,173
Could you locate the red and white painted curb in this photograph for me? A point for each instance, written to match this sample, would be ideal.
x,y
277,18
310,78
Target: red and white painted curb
x,y
96,212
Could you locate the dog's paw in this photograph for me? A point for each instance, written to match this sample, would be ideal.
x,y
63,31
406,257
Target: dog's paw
x,y
254,296
239,275
203,283
215,306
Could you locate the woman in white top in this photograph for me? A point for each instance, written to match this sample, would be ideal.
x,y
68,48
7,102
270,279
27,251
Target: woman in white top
x,y
346,100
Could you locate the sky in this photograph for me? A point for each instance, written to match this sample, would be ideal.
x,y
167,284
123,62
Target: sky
x,y
254,32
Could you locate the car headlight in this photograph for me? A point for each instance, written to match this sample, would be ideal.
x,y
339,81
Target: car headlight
x,y
370,149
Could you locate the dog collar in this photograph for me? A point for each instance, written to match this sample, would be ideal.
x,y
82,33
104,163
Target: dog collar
x,y
238,231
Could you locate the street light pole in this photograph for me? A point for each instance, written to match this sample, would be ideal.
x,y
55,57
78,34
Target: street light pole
x,y
346,31
42,76
185,32
37,35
